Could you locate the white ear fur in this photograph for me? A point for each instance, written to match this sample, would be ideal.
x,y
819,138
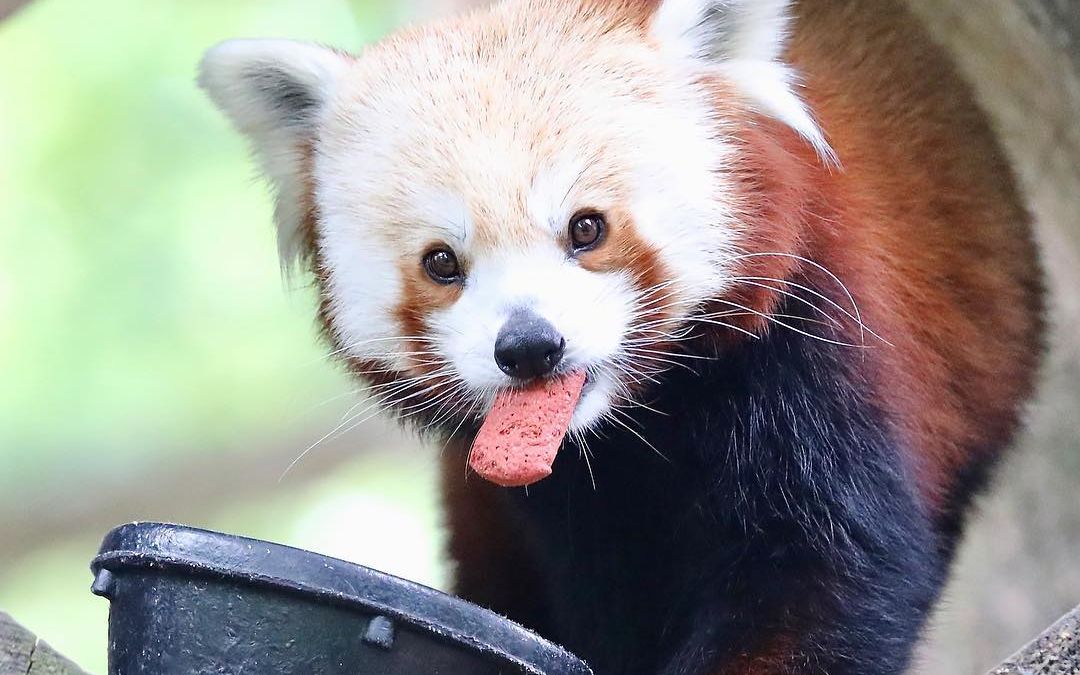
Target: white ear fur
x,y
275,92
746,39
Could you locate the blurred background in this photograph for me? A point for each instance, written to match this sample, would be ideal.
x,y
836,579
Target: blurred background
x,y
153,364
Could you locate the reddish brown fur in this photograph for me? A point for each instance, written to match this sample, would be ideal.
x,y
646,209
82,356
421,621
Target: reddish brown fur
x,y
420,298
925,227
778,655
307,229
623,249
495,563
771,192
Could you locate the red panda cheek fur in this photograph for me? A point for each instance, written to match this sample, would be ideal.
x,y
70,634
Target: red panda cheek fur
x,y
625,251
307,228
770,179
420,298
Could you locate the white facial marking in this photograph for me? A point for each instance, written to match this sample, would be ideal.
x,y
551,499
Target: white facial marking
x,y
363,283
551,195
446,213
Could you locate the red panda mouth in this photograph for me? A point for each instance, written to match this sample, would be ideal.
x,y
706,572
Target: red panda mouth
x,y
520,437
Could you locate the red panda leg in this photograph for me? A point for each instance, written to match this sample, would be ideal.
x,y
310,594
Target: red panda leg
x,y
493,564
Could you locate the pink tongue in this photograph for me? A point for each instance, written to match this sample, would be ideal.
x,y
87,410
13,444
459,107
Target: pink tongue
x,y
521,435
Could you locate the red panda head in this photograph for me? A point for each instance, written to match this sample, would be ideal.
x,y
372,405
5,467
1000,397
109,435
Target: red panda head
x,y
565,172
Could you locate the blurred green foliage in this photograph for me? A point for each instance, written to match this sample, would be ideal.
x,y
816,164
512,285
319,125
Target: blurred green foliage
x,y
139,294
142,316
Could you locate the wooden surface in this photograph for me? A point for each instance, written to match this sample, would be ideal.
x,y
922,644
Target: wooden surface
x,y
1055,652
22,653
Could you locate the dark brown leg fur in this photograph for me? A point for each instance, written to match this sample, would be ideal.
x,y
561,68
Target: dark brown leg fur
x,y
489,546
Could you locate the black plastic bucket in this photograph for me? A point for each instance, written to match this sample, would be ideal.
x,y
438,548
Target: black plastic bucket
x,y
189,602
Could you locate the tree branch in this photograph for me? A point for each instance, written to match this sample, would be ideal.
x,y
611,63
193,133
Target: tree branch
x,y
9,7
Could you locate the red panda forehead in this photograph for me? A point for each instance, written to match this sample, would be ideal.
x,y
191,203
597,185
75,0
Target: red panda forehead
x,y
510,157
598,15
493,107
529,50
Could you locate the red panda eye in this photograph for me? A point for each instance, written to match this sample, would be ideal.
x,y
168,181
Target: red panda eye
x,y
586,230
442,266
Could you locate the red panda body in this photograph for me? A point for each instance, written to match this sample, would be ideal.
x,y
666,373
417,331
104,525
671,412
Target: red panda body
x,y
929,223
924,228
810,316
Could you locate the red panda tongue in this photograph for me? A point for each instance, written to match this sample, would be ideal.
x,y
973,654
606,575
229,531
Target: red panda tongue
x,y
520,437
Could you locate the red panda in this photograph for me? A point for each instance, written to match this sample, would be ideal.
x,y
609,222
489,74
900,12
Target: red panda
x,y
756,270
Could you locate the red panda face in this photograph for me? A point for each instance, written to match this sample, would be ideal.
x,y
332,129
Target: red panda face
x,y
502,159
554,171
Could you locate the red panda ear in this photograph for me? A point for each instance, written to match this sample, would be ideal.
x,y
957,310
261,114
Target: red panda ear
x,y
744,41
276,92
724,30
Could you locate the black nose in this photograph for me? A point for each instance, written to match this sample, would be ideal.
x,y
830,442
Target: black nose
x,y
528,346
